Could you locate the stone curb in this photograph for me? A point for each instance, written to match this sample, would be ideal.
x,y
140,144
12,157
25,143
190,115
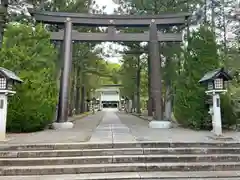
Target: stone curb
x,y
174,124
141,117
78,117
72,119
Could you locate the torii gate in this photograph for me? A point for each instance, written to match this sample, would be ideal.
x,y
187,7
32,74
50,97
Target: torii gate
x,y
154,22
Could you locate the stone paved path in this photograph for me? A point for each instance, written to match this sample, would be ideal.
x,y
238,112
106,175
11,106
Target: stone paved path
x,y
111,129
140,130
82,131
111,126
121,127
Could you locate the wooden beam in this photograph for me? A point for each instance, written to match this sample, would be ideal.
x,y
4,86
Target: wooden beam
x,y
125,37
107,20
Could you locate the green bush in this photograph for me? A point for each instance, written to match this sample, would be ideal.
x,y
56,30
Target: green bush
x,y
229,117
28,52
190,109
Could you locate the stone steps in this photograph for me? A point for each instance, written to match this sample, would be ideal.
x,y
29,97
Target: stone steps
x,y
116,151
117,167
142,144
206,175
119,159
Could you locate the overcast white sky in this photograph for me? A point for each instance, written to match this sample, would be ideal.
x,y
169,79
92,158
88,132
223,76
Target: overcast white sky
x,y
110,5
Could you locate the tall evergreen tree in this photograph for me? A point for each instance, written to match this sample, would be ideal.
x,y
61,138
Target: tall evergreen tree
x,y
200,56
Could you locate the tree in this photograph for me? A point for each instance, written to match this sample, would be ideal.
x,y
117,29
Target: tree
x,y
200,57
31,55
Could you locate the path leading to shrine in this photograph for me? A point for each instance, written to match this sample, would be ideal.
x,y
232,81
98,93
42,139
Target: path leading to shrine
x,y
121,127
112,129
111,126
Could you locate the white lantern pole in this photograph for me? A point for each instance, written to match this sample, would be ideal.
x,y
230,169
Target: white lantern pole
x,y
3,115
216,116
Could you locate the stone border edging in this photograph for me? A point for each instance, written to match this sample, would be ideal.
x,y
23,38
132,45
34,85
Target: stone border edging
x,y
80,116
141,117
174,124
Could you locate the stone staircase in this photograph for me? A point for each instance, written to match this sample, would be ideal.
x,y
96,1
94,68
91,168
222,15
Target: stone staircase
x,y
140,160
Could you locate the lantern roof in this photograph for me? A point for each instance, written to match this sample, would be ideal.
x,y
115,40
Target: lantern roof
x,y
214,74
10,75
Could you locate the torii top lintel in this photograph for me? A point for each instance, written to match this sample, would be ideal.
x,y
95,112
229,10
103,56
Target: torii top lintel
x,y
107,20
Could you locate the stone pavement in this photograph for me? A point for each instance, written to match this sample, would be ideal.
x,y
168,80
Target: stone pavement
x,y
111,129
141,132
110,126
121,127
82,131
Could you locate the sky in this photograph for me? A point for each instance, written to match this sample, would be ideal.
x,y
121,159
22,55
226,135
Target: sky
x,y
113,57
110,5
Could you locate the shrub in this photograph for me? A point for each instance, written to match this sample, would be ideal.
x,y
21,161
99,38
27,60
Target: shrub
x,y
31,55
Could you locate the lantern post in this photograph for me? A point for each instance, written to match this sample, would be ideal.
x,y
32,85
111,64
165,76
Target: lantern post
x,y
216,85
7,81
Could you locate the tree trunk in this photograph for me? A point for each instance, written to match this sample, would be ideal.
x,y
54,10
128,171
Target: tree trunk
x,y
150,102
83,109
213,16
78,87
133,103
138,86
168,102
88,97
205,11
224,28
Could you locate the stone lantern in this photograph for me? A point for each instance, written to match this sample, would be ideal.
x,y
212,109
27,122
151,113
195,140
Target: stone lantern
x,y
94,101
93,104
216,84
7,80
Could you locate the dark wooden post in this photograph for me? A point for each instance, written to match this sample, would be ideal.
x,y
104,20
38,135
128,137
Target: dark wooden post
x,y
155,64
67,61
